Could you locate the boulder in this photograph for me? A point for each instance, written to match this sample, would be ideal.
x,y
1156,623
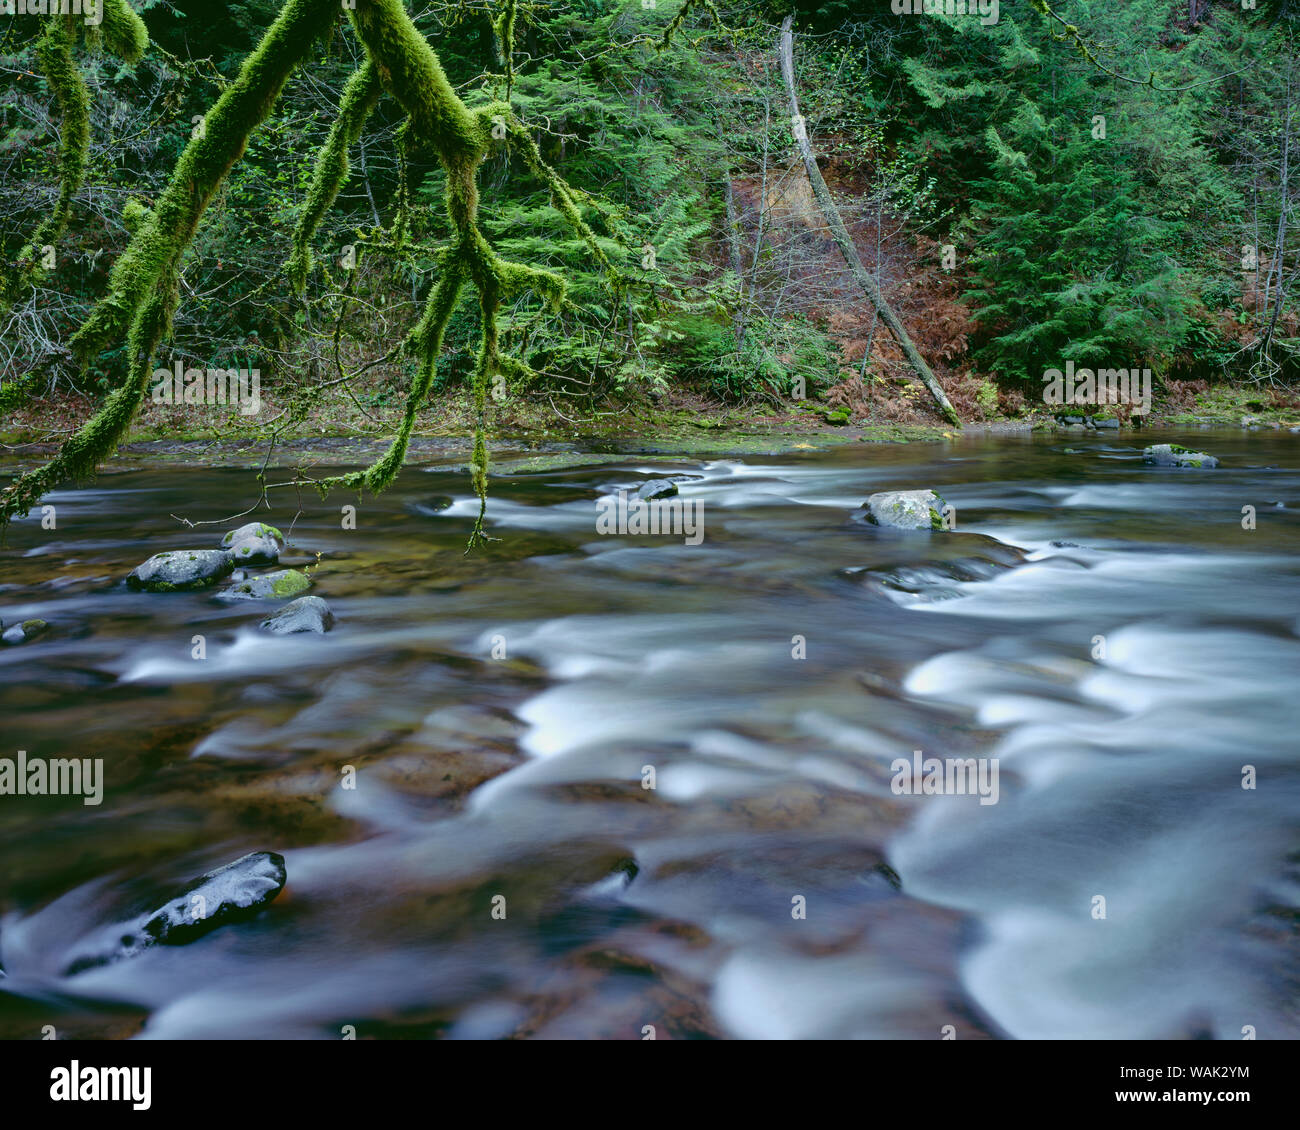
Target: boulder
x,y
906,509
306,614
280,585
656,488
254,544
1172,455
180,570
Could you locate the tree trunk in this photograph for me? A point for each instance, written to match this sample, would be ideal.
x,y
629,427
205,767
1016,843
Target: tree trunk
x,y
841,236
737,267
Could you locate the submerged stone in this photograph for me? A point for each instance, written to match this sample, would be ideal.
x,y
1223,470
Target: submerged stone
x,y
1174,455
232,893
906,509
180,570
306,614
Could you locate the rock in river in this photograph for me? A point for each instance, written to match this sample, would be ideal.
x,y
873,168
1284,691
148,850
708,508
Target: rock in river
x,y
306,614
1172,455
231,893
906,509
21,633
254,544
266,586
656,488
180,570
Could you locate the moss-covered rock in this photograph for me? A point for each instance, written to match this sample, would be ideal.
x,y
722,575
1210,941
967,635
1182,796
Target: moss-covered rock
x,y
280,585
254,544
906,509
1175,455
181,570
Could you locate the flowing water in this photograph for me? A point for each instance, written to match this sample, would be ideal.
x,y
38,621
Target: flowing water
x,y
457,774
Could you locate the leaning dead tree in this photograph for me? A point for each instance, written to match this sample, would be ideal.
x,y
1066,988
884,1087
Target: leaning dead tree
x,y
840,234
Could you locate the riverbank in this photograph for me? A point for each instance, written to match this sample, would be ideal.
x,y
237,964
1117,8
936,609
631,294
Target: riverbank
x,y
339,429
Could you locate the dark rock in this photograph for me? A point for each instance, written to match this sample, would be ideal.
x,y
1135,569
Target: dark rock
x,y
306,614
180,570
232,893
1108,423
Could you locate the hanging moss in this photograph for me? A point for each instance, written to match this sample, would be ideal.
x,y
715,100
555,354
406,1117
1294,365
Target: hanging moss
x,y
54,56
331,173
143,284
504,29
142,288
152,258
121,32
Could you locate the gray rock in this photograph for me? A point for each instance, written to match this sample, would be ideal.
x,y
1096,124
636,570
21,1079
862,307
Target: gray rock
x,y
1172,455
280,585
1070,421
306,614
254,544
906,509
656,488
231,893
180,570
27,630
1107,424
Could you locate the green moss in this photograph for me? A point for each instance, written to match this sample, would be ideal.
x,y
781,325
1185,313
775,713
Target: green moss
x,y
54,56
290,583
121,31
331,172
142,288
152,259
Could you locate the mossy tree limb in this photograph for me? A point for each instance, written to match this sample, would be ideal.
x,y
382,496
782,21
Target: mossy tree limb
x,y
360,95
57,61
152,259
143,284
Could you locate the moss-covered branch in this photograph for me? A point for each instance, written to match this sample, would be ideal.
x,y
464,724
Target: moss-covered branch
x,y
152,258
331,173
57,61
143,284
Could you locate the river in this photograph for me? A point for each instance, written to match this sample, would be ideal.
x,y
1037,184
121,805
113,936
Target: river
x,y
585,786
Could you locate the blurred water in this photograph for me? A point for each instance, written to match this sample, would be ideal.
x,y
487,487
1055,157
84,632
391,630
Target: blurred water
x,y
502,711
